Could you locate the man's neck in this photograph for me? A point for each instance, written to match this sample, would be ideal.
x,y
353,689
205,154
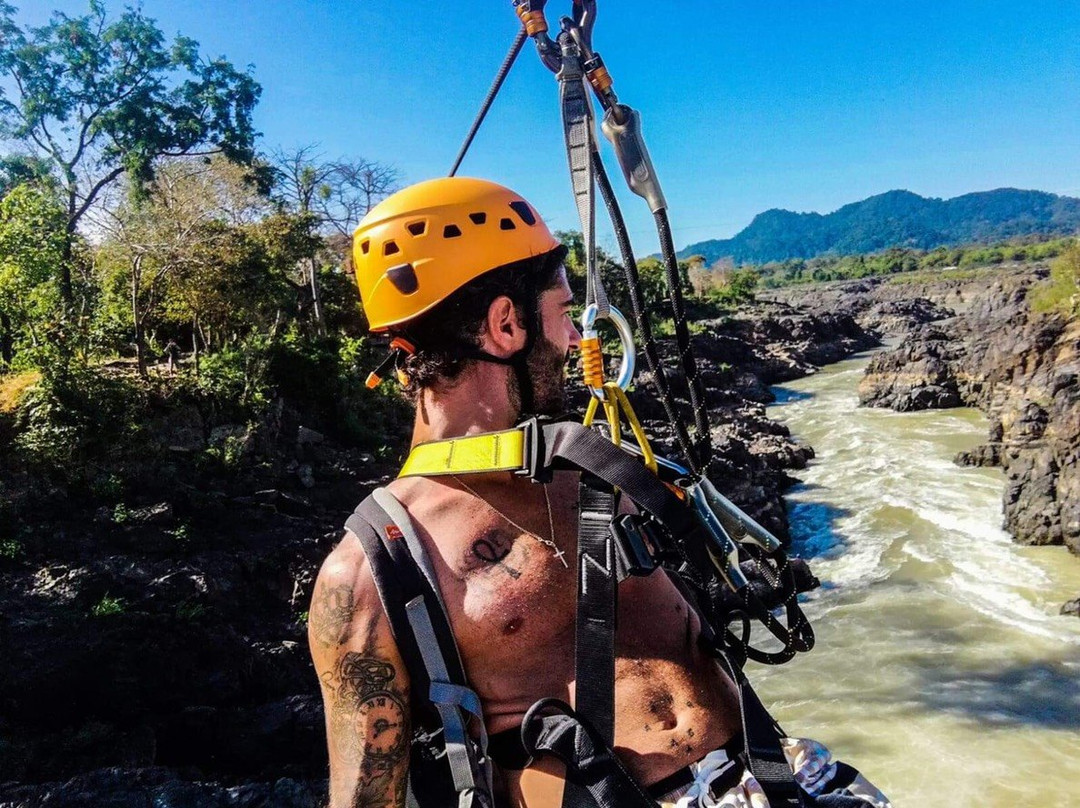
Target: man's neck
x,y
477,402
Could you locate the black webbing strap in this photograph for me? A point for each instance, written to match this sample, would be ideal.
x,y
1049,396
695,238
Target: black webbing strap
x,y
594,648
764,752
591,767
568,444
399,581
396,588
414,583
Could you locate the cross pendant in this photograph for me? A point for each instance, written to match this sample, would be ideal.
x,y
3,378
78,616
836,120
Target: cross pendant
x,y
559,554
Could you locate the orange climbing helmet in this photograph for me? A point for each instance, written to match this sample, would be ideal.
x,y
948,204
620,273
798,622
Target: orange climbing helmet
x,y
423,243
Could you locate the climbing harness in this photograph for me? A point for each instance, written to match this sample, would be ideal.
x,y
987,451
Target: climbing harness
x,y
667,534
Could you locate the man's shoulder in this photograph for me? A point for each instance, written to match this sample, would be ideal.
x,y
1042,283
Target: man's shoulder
x,y
347,571
345,601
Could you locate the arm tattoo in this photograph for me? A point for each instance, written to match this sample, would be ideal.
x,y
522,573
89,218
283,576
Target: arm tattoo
x,y
331,612
370,719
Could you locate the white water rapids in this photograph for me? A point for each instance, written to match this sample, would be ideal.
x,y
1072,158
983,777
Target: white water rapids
x,y
943,670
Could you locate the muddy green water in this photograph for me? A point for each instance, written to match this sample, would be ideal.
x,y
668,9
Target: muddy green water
x,y
942,670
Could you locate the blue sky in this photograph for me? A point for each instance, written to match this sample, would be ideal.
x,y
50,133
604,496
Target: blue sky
x,y
747,105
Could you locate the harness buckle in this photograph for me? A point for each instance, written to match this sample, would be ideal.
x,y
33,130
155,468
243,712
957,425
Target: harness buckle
x,y
533,452
632,553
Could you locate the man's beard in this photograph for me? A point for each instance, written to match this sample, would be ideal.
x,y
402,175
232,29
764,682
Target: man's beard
x,y
546,368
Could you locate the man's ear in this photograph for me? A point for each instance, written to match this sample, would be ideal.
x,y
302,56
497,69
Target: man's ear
x,y
504,332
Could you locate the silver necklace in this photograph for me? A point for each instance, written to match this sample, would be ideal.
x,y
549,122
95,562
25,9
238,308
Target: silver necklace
x,y
559,554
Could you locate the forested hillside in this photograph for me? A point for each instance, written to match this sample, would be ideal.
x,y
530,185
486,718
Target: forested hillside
x,y
895,219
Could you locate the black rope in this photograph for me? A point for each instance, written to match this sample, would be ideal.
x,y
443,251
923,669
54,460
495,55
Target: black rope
x,y
648,342
703,436
496,85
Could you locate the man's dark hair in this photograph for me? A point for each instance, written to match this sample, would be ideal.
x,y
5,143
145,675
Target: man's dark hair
x,y
445,335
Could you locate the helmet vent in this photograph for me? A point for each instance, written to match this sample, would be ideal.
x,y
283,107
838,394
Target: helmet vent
x,y
416,228
507,224
365,246
390,248
523,210
478,218
403,276
451,231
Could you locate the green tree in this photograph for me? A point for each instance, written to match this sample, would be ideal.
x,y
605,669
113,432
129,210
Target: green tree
x,y
330,197
611,272
19,169
1061,292
180,242
99,98
32,239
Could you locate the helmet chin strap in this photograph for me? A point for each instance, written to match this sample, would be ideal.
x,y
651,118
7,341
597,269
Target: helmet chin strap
x,y
519,361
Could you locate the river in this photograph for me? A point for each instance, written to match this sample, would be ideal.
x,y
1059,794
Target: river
x,y
943,670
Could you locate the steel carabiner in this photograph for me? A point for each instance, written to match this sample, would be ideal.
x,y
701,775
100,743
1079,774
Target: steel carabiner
x,y
589,319
584,17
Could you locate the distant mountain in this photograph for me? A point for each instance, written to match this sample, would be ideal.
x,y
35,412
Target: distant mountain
x,y
895,219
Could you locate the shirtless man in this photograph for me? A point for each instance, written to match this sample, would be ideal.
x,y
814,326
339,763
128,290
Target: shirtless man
x,y
504,548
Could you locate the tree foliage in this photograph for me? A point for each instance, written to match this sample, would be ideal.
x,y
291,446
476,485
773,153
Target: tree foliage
x,y
96,98
903,260
1061,292
327,199
32,239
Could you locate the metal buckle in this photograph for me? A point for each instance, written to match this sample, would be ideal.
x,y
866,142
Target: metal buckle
x,y
632,554
532,452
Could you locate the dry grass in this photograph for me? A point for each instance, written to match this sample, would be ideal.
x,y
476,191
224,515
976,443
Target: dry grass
x,y
12,388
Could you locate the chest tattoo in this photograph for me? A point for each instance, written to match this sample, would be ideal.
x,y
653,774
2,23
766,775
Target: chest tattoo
x,y
492,551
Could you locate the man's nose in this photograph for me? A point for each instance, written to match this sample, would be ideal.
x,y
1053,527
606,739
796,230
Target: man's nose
x,y
575,335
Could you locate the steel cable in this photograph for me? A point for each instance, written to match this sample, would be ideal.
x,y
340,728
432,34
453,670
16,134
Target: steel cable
x,y
496,85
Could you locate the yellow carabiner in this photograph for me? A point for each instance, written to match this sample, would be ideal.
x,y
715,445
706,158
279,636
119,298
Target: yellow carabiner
x,y
616,405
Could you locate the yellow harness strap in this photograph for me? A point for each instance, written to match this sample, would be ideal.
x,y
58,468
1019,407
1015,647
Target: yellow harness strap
x,y
472,454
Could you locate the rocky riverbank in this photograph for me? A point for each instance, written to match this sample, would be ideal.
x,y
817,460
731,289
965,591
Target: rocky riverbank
x,y
154,651
1020,368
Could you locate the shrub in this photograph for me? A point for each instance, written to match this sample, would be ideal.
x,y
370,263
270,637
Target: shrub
x,y
108,606
1061,292
235,380
77,414
13,387
10,549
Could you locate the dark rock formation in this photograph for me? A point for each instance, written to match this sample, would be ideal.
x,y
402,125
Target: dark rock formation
x,y
987,455
1023,371
154,651
915,376
878,306
893,317
160,787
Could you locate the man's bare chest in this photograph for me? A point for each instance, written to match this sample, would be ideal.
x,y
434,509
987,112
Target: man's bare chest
x,y
507,592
